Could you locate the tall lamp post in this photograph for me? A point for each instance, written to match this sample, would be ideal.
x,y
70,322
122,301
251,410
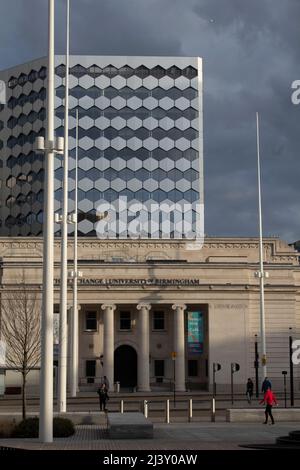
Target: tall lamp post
x,y
62,364
261,274
50,147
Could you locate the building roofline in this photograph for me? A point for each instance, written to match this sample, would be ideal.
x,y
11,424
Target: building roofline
x,y
105,56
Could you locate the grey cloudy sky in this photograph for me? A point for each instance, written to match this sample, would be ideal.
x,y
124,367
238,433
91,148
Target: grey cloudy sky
x,y
251,52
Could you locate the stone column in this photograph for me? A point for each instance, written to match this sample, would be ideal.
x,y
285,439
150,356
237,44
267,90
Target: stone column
x,y
179,347
143,357
108,343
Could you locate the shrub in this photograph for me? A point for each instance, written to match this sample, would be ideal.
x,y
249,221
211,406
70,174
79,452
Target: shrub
x,y
29,427
63,427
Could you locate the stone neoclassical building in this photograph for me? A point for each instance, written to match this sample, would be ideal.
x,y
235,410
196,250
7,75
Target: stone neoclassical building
x,y
142,301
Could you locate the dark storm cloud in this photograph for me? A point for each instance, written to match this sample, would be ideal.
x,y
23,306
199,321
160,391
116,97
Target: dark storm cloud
x,y
251,55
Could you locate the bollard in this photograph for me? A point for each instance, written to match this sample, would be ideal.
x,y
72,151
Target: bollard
x,y
122,406
118,387
190,411
168,411
146,408
213,410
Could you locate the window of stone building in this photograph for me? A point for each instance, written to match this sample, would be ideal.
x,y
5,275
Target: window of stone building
x,y
90,370
125,321
159,368
158,320
193,368
91,321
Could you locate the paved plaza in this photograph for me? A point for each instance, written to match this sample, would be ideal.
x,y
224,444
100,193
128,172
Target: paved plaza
x,y
177,436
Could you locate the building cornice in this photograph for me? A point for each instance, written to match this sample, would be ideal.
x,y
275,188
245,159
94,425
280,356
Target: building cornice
x,y
215,251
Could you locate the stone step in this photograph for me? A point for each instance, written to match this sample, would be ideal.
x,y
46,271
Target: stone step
x,y
295,435
287,441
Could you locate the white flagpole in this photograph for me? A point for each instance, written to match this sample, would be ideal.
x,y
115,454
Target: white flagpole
x,y
261,273
74,326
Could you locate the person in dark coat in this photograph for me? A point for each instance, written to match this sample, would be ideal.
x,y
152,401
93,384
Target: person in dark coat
x,y
105,381
265,385
103,397
269,399
249,390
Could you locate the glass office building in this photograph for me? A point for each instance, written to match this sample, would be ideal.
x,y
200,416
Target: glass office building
x,y
140,138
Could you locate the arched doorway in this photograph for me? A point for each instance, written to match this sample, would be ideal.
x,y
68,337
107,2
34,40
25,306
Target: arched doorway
x,y
125,366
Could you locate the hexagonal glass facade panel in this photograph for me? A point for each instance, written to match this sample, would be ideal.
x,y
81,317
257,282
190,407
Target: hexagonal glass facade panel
x,y
150,143
134,143
166,123
86,122
134,123
139,124
86,143
102,122
166,103
102,102
85,184
134,102
166,143
85,163
150,103
166,83
118,123
118,102
150,83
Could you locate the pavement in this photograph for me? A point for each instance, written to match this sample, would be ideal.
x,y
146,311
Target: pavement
x,y
174,436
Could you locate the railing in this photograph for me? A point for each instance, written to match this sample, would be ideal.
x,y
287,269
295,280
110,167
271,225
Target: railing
x,y
188,409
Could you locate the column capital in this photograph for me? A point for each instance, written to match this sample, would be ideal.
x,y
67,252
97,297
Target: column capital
x,y
108,306
178,306
70,307
145,306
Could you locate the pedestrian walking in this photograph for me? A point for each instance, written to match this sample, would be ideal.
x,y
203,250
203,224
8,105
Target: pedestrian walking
x,y
265,385
103,397
249,390
269,399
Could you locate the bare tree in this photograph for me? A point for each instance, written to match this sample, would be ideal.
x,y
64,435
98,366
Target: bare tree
x,y
22,332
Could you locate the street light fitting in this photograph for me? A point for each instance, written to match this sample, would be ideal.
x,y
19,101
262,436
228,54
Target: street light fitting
x,y
60,145
56,146
57,218
72,218
39,144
